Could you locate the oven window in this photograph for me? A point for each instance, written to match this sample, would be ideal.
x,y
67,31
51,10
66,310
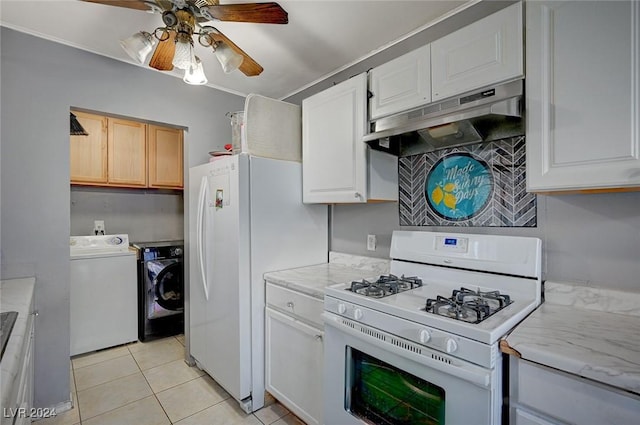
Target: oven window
x,y
382,394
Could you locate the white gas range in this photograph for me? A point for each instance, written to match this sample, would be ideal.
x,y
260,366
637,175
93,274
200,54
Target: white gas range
x,y
418,345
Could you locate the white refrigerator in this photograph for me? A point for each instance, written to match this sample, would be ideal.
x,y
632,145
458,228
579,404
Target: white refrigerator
x,y
246,218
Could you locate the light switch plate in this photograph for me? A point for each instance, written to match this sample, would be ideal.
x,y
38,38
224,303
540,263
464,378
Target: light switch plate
x,y
371,242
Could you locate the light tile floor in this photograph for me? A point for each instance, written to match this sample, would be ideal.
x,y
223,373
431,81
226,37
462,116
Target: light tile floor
x,y
150,384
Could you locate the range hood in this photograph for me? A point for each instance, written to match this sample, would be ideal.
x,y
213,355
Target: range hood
x,y
488,114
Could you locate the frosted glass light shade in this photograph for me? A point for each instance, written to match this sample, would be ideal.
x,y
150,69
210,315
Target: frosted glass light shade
x,y
184,56
195,74
229,59
139,45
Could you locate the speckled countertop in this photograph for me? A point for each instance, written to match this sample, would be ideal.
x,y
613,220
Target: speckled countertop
x,y
590,332
15,295
341,268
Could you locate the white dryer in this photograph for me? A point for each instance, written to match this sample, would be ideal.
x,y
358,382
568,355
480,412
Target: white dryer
x,y
103,292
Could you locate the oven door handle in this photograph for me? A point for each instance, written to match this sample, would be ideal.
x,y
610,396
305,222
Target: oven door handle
x,y
463,370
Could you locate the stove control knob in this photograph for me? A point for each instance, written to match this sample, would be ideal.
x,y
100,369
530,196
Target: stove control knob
x,y
357,314
451,345
342,308
424,336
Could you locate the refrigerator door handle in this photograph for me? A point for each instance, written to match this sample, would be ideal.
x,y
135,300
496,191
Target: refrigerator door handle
x,y
200,230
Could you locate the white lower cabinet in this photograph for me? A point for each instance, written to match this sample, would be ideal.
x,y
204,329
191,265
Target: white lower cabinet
x,y
583,95
294,359
294,353
542,395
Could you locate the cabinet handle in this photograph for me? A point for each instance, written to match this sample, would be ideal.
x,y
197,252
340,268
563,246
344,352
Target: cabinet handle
x,y
36,313
290,304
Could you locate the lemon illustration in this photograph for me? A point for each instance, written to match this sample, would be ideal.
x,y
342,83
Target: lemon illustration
x,y
437,195
449,187
450,200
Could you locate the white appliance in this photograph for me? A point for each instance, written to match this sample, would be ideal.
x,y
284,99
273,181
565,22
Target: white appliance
x,y
421,345
103,292
246,218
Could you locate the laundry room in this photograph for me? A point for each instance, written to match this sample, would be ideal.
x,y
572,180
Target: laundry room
x,y
126,225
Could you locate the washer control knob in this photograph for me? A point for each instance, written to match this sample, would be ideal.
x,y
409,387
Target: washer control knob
x,y
451,345
342,308
178,251
357,314
424,336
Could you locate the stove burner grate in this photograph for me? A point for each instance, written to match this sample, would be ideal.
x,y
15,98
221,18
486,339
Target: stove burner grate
x,y
468,305
385,285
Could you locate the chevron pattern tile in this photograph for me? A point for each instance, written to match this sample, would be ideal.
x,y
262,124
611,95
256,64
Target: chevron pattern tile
x,y
510,204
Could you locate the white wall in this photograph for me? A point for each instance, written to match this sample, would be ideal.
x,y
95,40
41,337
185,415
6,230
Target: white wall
x,y
40,81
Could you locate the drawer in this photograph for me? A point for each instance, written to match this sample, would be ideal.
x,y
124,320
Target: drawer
x,y
301,305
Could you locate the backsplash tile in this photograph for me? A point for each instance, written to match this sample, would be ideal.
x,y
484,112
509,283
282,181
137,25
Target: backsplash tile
x,y
476,185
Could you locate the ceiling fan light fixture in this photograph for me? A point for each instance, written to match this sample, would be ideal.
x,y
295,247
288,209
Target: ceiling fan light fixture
x,y
139,45
194,75
228,58
184,56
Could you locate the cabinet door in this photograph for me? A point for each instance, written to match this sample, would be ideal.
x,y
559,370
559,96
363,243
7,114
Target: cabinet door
x,y
483,53
583,95
400,84
333,153
294,365
88,159
165,157
127,152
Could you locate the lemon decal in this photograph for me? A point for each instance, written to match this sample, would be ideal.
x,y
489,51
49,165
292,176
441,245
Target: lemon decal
x,y
450,200
437,195
459,186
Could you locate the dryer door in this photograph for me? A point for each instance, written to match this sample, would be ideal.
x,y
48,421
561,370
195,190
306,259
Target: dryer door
x,y
165,288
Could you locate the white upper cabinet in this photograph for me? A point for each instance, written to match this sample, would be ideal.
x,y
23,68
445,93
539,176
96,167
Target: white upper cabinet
x,y
483,53
401,84
583,95
335,161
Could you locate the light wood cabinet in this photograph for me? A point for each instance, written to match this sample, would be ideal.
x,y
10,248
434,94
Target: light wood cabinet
x,y
126,153
165,157
400,84
486,52
583,95
89,153
336,164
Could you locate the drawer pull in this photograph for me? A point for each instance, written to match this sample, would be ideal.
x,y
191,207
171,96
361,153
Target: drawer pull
x,y
290,304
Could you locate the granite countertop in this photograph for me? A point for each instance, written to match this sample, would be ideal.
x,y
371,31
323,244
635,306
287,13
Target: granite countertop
x,y
590,332
15,295
341,268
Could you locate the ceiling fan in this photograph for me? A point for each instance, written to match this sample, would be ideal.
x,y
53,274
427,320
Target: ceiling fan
x,y
183,20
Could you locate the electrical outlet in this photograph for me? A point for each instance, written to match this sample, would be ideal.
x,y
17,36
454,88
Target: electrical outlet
x,y
98,227
371,242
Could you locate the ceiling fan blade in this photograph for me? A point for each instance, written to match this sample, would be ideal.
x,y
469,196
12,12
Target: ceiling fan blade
x,y
264,13
130,4
162,58
249,67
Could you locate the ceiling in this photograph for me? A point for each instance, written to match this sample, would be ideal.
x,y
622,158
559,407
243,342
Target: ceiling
x,y
321,38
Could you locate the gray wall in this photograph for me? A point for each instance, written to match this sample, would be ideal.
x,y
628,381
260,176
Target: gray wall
x,y
145,215
40,81
589,239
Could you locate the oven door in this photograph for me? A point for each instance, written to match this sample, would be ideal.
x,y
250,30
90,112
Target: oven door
x,y
376,378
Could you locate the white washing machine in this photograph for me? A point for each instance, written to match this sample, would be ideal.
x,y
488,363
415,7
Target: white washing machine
x,y
103,292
